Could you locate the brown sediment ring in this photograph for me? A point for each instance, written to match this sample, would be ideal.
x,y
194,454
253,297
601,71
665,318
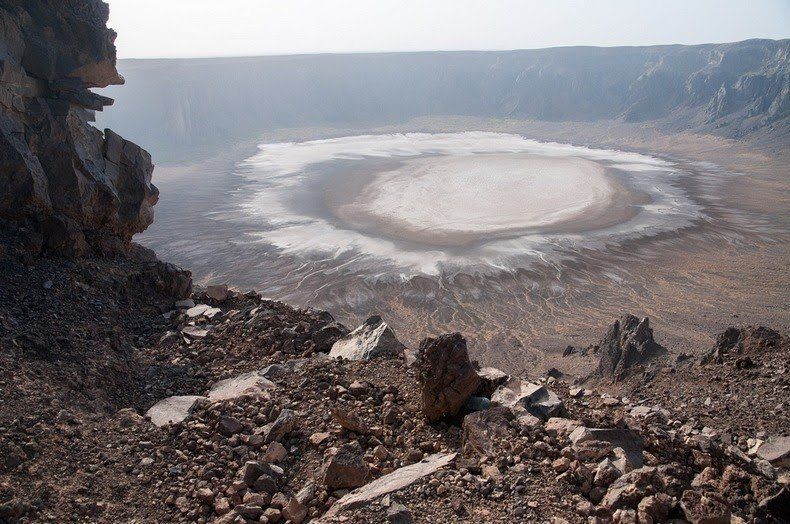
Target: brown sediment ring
x,y
346,189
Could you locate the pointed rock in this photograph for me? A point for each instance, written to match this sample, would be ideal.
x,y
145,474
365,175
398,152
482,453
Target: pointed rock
x,y
535,399
628,342
374,338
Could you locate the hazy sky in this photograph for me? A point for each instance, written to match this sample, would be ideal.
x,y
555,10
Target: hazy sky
x,y
188,28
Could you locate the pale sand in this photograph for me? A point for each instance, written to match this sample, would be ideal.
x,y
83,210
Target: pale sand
x,y
458,200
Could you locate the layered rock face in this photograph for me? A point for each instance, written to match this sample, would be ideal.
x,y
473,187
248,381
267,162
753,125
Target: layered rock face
x,y
70,187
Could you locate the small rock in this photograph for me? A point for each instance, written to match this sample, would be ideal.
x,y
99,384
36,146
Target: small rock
x,y
229,426
345,467
399,514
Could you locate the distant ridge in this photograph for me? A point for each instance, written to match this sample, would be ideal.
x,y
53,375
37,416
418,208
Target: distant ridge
x,y
732,89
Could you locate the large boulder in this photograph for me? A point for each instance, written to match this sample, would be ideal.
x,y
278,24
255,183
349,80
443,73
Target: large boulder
x,y
629,342
80,189
629,441
374,338
520,395
446,376
628,490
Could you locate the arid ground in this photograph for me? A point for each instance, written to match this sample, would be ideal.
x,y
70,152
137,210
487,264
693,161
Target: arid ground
x,y
722,259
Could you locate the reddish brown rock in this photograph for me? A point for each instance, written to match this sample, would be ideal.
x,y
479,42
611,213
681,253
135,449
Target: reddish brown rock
x,y
345,467
705,507
446,376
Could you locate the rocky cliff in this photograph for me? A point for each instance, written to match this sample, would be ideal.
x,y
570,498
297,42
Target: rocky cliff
x,y
70,187
738,90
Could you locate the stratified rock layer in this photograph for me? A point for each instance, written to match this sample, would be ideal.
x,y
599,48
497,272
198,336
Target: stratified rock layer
x,y
72,188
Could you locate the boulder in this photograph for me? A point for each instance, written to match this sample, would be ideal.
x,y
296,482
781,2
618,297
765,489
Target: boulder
x,y
490,379
446,376
347,419
775,450
252,384
629,342
374,338
217,293
535,399
628,490
172,410
397,480
482,429
294,511
345,467
561,427
229,426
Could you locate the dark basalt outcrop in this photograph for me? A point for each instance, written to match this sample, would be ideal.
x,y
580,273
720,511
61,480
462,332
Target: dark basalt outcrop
x,y
70,187
628,343
737,343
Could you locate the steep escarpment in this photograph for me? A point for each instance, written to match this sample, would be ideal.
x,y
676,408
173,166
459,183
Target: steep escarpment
x,y
732,89
71,188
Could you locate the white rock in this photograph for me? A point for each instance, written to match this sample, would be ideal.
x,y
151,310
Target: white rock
x,y
534,398
372,339
198,310
252,384
776,450
172,410
195,332
212,312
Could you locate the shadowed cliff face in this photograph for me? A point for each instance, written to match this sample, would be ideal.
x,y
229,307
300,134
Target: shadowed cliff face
x,y
181,106
72,188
